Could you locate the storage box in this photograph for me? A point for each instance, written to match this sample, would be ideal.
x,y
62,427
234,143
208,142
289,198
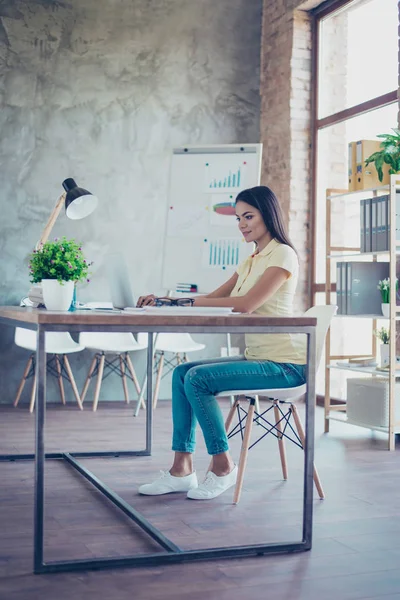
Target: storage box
x,y
367,177
368,402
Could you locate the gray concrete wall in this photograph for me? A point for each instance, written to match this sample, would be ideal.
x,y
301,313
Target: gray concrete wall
x,y
102,90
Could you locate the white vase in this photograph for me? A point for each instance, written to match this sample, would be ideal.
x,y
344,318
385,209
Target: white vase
x,y
384,351
385,309
56,295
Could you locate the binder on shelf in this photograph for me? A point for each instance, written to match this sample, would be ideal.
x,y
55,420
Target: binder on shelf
x,y
362,294
367,231
374,219
362,225
382,223
344,288
352,167
367,177
339,292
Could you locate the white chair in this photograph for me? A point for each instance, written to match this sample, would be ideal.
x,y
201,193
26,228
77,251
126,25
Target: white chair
x,y
112,356
56,344
179,345
281,428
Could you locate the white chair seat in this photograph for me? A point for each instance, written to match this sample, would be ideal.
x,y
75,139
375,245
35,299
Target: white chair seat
x,y
177,343
114,343
276,394
56,343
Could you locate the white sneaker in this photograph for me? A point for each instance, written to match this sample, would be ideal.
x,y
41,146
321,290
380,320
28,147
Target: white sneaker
x,y
213,485
167,483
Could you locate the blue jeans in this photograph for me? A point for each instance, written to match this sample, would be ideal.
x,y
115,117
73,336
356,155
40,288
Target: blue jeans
x,y
195,384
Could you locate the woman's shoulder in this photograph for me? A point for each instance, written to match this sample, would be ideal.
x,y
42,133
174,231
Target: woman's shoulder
x,y
284,251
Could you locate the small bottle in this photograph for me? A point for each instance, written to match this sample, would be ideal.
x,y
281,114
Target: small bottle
x,y
74,300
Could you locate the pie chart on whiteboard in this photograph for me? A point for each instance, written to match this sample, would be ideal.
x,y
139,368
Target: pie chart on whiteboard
x,y
224,208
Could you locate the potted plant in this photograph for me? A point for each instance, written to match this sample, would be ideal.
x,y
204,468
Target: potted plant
x,y
390,154
383,335
384,288
58,265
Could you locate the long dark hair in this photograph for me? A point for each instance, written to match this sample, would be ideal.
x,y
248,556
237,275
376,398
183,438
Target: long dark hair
x,y
264,199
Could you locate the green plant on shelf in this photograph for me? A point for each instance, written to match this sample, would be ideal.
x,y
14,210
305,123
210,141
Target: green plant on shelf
x,y
384,288
389,155
383,335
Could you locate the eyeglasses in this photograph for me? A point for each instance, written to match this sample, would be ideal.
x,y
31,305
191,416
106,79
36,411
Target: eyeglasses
x,y
174,301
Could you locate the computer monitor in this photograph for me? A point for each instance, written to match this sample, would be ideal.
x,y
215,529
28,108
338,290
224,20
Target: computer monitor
x,y
119,281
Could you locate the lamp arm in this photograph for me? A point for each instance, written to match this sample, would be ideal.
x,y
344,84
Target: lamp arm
x,y
52,219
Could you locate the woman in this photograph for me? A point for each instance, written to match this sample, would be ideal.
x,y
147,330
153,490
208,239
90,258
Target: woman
x,y
264,284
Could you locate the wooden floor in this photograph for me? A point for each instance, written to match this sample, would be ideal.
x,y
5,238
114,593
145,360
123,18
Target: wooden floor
x,y
356,547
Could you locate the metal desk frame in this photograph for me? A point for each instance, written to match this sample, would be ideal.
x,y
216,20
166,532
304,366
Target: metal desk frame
x,y
171,553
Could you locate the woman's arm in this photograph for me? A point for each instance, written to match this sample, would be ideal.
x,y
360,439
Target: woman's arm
x,y
268,284
222,292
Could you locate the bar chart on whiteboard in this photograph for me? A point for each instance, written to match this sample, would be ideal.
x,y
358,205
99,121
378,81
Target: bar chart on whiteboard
x,y
222,253
222,178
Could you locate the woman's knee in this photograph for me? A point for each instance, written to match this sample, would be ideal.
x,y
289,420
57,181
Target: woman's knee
x,y
179,373
194,378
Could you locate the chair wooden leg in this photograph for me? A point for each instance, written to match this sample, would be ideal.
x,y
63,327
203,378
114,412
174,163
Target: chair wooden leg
x,y
231,414
60,380
158,380
23,380
281,441
124,384
98,382
72,382
302,437
185,358
178,359
88,378
133,373
33,394
243,453
257,404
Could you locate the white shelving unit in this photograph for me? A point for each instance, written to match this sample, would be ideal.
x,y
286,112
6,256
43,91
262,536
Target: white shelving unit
x,y
337,412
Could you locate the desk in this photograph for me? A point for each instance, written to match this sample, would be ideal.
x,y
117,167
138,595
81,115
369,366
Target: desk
x,y
43,321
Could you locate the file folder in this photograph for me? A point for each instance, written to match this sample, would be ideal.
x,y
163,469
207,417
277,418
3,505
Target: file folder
x,y
362,225
352,166
367,231
382,223
374,228
339,292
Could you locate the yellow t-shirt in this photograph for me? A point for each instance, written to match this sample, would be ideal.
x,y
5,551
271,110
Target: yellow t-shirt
x,y
280,347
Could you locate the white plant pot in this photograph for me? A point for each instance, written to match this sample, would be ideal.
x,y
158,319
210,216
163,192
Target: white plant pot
x,y
56,295
384,350
385,309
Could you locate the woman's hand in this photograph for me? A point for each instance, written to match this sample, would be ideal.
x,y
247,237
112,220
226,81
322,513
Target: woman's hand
x,y
146,300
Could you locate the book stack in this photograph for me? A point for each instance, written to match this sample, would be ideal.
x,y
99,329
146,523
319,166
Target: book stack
x,y
186,288
35,295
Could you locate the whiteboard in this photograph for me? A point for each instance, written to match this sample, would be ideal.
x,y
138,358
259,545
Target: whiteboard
x,y
202,243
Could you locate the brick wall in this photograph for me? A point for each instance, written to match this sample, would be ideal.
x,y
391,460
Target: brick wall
x,y
285,121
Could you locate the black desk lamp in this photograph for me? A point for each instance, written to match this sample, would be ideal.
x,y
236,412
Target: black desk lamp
x,y
79,203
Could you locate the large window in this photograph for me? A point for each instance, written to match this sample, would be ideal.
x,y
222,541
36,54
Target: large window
x,y
358,54
356,66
